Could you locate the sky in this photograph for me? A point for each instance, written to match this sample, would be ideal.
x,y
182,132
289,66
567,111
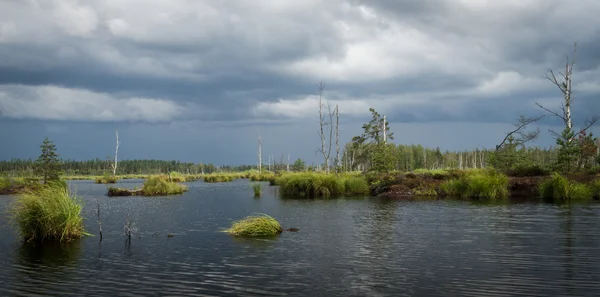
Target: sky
x,y
197,81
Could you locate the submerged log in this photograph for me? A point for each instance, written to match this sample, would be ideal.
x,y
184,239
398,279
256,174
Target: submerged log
x,y
124,192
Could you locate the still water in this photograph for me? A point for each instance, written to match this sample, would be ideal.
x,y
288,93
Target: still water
x,y
345,247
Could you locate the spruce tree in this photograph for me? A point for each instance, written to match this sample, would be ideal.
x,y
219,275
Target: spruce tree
x,y
48,165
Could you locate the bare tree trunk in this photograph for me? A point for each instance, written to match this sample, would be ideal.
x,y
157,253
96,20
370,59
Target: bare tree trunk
x,y
337,135
288,164
114,166
259,155
384,131
323,121
565,86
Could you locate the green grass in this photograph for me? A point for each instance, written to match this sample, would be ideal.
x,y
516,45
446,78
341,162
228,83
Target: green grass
x,y
107,179
177,177
257,187
558,187
255,226
311,185
477,184
5,184
161,186
265,176
219,178
51,213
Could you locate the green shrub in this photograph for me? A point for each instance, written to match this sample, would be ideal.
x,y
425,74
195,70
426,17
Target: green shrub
x,y
523,171
255,226
50,213
477,184
558,187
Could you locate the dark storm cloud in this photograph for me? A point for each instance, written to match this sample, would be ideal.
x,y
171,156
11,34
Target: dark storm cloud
x,y
256,64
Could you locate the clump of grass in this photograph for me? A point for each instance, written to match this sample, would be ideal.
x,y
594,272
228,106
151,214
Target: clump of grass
x,y
265,176
5,184
107,179
425,191
255,226
218,178
123,192
177,177
257,187
354,186
477,184
161,186
311,185
50,213
558,187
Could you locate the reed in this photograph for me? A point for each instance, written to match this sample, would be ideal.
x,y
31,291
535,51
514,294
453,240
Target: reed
x,y
477,184
558,187
257,187
50,213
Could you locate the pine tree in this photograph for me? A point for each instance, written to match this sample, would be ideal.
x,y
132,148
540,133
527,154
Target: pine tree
x,y
47,165
567,152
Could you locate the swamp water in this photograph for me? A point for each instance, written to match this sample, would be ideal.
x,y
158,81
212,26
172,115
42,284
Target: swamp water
x,y
345,247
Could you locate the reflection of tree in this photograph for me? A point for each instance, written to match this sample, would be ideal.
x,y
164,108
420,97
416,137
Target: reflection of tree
x,y
51,255
567,227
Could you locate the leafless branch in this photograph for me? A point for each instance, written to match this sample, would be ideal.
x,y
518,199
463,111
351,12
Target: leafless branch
x,y
524,137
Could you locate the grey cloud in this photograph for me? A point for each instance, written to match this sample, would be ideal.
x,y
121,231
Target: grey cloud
x,y
417,61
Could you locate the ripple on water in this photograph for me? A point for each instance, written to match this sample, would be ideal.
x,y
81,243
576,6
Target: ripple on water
x,y
353,247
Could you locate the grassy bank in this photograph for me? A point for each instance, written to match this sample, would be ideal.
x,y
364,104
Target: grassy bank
x,y
49,213
107,179
18,185
559,187
311,185
488,184
484,184
255,226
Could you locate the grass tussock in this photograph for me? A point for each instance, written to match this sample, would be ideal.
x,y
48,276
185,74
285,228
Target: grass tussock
x,y
558,187
107,179
311,185
265,176
489,184
50,213
255,226
257,188
219,178
177,177
161,186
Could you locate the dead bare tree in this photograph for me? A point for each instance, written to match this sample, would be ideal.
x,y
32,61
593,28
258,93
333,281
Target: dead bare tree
x,y
325,122
337,137
128,228
523,136
565,86
259,154
114,165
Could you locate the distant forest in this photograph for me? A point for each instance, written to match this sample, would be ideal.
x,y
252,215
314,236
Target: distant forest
x,y
407,158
